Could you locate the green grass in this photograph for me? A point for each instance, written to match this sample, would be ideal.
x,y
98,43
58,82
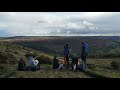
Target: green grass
x,y
102,69
12,53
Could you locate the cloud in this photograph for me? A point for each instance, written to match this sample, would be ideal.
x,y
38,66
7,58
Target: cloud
x,y
59,23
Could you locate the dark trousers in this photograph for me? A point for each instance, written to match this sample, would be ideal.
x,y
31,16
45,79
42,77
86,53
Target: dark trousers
x,y
67,60
84,64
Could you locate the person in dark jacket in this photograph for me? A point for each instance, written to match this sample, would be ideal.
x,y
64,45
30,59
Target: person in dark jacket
x,y
74,58
21,65
55,63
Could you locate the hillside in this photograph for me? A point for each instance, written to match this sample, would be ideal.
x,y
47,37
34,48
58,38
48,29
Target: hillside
x,y
101,69
10,54
54,44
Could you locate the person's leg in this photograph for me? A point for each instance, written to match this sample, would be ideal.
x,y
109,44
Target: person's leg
x,y
83,63
77,64
38,67
74,67
60,66
67,60
35,68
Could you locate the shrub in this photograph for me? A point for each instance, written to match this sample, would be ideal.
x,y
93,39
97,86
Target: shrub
x,y
1,66
115,64
13,61
7,58
44,59
16,52
8,50
28,54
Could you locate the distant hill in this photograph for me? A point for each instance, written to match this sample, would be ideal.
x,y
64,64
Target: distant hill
x,y
54,44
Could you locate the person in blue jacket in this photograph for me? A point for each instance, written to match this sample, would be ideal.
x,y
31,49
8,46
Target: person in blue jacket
x,y
84,54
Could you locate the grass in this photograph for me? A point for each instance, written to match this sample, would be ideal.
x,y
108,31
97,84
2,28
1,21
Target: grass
x,y
102,69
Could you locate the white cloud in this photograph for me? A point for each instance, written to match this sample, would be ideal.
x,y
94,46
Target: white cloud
x,y
44,23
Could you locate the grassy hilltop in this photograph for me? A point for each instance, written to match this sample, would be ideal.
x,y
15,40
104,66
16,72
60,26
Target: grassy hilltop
x,y
104,51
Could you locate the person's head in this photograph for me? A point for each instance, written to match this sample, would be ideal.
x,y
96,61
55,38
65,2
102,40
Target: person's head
x,y
83,42
67,45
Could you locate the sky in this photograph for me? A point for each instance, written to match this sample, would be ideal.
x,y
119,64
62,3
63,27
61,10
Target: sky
x,y
59,24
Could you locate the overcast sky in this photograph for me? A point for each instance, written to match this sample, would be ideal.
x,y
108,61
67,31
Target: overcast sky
x,y
59,23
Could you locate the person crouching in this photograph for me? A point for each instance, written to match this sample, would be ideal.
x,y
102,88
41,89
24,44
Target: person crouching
x,y
74,58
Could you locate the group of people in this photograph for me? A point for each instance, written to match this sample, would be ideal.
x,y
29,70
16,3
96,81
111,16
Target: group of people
x,y
57,64
33,64
75,64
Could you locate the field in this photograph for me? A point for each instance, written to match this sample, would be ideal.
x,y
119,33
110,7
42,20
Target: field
x,y
102,69
103,51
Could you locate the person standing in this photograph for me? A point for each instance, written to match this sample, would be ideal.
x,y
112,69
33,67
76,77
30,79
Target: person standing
x,y
67,55
64,55
84,54
70,52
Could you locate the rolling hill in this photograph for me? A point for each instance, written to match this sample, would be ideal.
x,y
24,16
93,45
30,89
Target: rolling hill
x,y
53,45
44,48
